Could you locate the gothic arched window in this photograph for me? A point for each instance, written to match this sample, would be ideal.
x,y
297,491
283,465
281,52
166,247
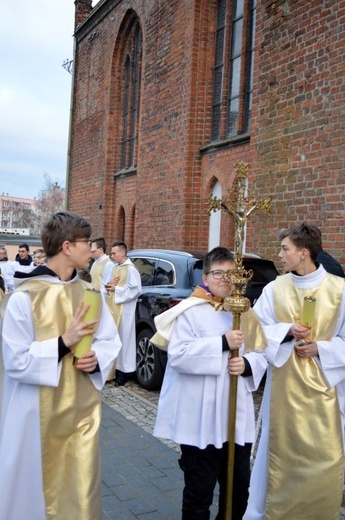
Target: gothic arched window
x,y
233,68
130,97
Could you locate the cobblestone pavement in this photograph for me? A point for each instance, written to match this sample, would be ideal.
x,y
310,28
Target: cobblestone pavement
x,y
136,404
139,406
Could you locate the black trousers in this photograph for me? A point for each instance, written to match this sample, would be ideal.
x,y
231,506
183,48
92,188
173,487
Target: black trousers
x,y
202,470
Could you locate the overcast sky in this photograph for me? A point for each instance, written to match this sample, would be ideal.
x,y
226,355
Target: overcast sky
x,y
36,37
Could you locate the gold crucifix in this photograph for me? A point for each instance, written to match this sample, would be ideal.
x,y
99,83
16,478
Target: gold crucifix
x,y
240,208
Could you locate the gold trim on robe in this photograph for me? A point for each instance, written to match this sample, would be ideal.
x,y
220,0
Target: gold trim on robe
x,y
116,308
306,459
96,273
70,414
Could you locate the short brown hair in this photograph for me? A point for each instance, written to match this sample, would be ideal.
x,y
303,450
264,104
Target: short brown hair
x,y
304,236
63,226
100,243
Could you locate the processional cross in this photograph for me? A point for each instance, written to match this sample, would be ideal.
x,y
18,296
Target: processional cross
x,y
240,209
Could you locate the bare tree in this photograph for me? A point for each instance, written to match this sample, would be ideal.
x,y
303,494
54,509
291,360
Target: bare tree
x,y
50,200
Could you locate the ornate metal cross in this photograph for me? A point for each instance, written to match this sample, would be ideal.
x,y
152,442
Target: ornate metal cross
x,y
240,209
240,206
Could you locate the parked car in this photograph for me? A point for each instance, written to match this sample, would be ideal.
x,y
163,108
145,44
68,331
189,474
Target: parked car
x,y
168,277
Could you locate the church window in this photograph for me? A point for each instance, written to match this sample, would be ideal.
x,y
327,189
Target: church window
x,y
233,68
130,98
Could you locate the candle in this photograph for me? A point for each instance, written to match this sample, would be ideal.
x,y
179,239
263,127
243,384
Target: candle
x,y
93,299
308,311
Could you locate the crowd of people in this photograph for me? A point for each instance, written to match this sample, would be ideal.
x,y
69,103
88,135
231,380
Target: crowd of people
x,y
50,409
24,262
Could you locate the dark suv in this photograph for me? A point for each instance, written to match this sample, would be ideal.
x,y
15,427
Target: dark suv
x,y
167,277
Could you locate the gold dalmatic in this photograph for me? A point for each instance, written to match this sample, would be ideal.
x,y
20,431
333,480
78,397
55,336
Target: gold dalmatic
x,y
70,414
306,460
116,308
97,273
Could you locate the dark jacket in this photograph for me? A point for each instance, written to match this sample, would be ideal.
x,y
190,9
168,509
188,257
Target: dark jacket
x,y
330,264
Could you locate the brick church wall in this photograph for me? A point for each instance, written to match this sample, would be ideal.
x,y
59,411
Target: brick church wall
x,y
296,149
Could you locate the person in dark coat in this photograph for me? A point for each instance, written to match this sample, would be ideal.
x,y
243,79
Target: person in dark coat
x,y
330,264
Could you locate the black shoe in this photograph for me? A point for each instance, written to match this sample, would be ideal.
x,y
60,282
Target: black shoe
x,y
131,375
120,382
120,378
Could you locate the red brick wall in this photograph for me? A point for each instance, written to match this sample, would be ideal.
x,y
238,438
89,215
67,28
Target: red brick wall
x,y
298,119
296,146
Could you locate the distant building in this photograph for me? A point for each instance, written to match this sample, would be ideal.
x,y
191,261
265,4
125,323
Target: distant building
x,y
15,214
169,95
14,231
25,216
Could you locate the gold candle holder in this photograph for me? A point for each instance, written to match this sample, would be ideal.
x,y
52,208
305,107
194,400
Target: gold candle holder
x,y
308,311
93,299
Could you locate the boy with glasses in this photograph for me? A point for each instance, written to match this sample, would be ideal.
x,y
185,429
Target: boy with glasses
x,y
194,400
51,409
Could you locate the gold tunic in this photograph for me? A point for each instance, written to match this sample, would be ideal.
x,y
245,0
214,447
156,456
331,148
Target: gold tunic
x,y
96,273
70,414
306,458
116,308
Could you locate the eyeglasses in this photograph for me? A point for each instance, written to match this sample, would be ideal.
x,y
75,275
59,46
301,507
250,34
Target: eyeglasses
x,y
218,274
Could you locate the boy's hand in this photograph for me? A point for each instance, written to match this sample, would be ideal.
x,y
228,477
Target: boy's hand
x,y
309,349
236,365
234,338
115,280
88,362
110,286
298,331
78,328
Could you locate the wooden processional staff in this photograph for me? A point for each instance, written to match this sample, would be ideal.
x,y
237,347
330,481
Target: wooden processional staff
x,y
240,208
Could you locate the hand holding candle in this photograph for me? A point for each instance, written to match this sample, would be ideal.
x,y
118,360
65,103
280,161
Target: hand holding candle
x,y
302,329
79,336
87,363
306,347
308,311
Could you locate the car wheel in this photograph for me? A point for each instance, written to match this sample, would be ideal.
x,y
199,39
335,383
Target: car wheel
x,y
149,368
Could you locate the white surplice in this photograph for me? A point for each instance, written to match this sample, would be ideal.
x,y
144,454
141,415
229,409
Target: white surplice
x,y
126,295
194,400
26,365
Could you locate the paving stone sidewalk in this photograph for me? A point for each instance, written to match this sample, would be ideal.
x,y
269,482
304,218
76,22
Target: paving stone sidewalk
x,y
140,474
